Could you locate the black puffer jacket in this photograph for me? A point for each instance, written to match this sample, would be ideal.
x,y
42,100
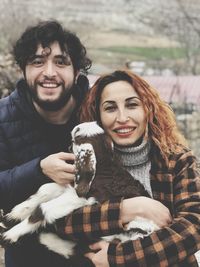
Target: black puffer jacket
x,y
25,138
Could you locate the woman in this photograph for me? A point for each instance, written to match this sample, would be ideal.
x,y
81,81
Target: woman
x,y
151,148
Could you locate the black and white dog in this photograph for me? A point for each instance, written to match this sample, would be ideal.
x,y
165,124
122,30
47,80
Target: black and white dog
x,y
99,177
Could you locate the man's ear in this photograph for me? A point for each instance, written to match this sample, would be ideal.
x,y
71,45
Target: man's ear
x,y
23,72
76,75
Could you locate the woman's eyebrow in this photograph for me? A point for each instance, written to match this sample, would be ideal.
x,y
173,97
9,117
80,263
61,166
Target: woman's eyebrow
x,y
127,99
133,97
108,102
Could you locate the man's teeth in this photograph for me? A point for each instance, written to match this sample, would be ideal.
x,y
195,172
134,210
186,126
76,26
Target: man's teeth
x,y
125,130
49,85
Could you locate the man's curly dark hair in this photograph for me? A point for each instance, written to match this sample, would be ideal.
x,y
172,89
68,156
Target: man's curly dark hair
x,y
45,33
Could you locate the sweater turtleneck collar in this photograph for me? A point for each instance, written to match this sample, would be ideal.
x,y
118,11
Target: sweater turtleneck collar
x,y
134,155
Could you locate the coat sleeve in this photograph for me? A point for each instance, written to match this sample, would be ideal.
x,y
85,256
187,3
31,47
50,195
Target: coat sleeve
x,y
91,222
168,246
174,244
17,182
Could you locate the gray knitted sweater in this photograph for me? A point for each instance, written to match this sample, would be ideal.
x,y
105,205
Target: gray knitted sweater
x,y
137,162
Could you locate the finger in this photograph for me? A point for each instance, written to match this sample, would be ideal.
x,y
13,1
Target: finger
x,y
169,221
66,178
69,178
70,168
97,245
89,255
66,156
66,167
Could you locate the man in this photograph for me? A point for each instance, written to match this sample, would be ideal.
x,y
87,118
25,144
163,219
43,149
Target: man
x,y
35,125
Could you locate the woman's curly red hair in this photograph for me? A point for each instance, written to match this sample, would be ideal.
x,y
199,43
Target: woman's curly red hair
x,y
162,126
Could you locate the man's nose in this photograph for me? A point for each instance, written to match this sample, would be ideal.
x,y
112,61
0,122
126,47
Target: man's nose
x,y
49,69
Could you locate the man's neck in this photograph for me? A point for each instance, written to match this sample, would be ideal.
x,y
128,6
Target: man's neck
x,y
61,116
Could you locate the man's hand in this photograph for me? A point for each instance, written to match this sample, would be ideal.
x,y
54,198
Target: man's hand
x,y
99,258
55,166
147,208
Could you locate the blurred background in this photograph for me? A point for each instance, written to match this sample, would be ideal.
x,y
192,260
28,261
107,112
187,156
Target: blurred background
x,y
157,39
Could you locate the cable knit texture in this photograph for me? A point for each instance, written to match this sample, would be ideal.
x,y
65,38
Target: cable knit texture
x,y
136,161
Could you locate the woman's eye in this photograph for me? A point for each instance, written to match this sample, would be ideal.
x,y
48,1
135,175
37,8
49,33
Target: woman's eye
x,y
110,108
132,105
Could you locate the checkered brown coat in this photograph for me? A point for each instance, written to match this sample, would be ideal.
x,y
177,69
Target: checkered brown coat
x,y
176,185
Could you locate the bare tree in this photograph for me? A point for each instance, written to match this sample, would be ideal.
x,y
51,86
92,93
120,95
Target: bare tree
x,y
14,16
179,21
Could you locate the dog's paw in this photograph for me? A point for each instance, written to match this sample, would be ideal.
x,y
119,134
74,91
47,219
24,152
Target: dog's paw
x,y
147,226
19,230
5,222
8,221
3,228
91,201
3,242
56,244
19,212
9,237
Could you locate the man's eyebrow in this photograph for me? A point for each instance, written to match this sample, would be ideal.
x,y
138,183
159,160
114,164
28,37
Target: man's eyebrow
x,y
35,57
66,56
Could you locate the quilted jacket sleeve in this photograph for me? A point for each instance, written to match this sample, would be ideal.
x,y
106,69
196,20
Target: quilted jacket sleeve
x,y
19,182
177,243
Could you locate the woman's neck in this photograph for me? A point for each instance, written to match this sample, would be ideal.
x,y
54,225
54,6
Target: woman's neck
x,y
136,160
133,155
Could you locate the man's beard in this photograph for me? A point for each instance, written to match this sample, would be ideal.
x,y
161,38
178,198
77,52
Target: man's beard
x,y
49,105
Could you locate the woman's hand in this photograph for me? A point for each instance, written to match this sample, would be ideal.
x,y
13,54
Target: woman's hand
x,y
99,257
147,208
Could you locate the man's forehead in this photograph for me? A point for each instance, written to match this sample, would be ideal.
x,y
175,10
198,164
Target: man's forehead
x,y
52,49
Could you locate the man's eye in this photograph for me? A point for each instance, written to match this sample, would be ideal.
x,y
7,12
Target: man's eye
x,y
60,62
37,62
63,62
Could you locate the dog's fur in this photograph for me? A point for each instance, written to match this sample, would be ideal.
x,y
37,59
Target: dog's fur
x,y
99,174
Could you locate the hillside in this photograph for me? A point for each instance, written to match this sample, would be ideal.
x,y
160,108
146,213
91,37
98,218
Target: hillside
x,y
114,30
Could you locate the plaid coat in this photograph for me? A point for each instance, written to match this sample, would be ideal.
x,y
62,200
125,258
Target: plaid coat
x,y
177,186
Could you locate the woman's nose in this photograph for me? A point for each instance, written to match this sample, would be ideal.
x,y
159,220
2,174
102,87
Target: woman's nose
x,y
122,117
